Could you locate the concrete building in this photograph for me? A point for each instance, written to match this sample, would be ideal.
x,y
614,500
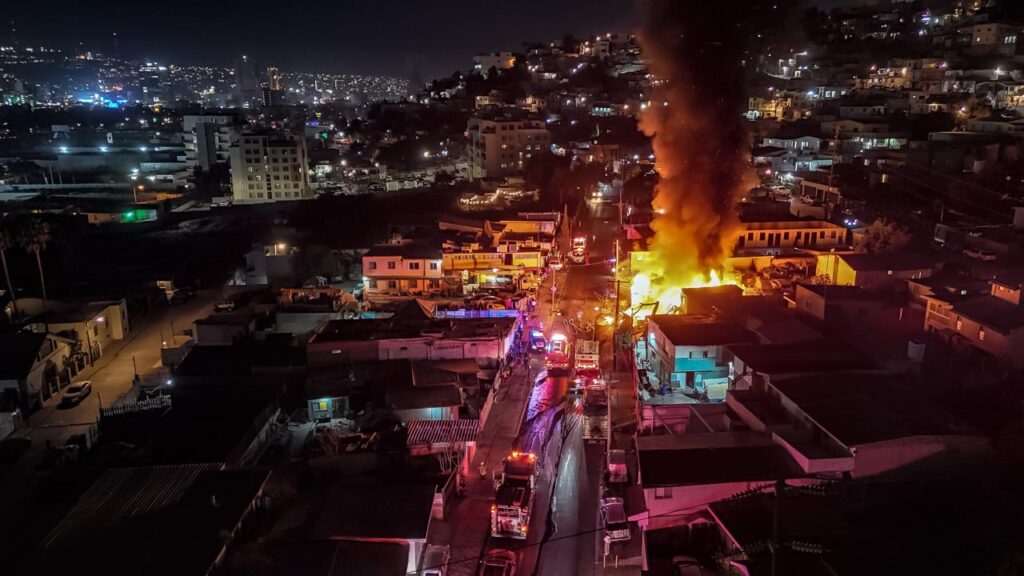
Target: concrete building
x,y
270,166
992,324
482,63
685,354
780,237
92,326
30,368
873,271
339,342
208,139
993,38
401,271
501,146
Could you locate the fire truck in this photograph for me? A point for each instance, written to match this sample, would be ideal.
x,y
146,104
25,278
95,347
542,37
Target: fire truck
x,y
513,499
558,355
579,249
587,365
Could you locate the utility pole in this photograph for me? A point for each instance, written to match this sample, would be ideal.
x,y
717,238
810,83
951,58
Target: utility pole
x,y
615,324
832,167
780,489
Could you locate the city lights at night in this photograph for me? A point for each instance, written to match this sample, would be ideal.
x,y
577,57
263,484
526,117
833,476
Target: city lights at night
x,y
652,288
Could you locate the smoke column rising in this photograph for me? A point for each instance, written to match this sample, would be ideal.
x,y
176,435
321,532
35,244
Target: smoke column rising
x,y
694,51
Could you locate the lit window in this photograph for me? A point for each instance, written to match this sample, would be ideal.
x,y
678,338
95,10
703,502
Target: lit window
x,y
959,324
981,334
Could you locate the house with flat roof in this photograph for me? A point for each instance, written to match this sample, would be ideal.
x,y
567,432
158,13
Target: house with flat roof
x,y
861,424
413,390
681,474
991,324
395,271
874,271
685,354
487,340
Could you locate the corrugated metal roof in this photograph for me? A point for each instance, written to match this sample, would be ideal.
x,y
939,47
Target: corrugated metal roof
x,y
442,433
123,494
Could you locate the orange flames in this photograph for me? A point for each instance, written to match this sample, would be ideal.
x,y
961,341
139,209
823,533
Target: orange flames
x,y
700,141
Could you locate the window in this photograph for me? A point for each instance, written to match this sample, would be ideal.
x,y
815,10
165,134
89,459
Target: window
x,y
750,235
373,284
705,353
662,493
371,265
761,237
414,265
785,235
434,265
981,334
959,324
392,284
391,265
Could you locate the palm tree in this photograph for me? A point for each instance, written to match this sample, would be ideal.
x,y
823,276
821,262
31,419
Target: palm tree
x,y
34,237
7,241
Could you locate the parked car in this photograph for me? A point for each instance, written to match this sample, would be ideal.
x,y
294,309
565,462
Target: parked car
x,y
618,473
979,255
76,392
435,561
555,263
613,515
498,563
181,295
687,566
224,306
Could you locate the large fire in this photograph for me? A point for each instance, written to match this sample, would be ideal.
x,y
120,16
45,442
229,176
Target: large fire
x,y
645,291
693,116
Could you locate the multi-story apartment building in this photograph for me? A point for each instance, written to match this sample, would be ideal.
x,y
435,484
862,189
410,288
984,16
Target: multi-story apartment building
x,y
483,267
269,166
400,271
208,139
501,146
778,237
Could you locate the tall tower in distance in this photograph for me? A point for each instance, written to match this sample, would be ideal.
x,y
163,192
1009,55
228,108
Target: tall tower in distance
x,y
273,78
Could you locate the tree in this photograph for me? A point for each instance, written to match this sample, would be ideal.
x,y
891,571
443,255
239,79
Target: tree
x,y
884,236
34,237
444,178
7,241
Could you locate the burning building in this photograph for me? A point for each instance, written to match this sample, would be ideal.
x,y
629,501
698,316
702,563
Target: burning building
x,y
696,56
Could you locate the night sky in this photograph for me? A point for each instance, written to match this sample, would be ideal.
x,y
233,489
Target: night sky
x,y
357,36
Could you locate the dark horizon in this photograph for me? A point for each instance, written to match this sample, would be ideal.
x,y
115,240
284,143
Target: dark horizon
x,y
352,37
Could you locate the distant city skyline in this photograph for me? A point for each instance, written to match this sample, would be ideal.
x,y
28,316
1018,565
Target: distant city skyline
x,y
351,37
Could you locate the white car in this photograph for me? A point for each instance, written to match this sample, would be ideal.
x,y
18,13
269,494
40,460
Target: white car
x,y
76,392
224,306
555,263
979,255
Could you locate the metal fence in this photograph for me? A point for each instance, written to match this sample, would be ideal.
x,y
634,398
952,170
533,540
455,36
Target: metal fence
x,y
156,403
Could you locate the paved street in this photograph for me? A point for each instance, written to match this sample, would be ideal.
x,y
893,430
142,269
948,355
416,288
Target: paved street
x,y
112,373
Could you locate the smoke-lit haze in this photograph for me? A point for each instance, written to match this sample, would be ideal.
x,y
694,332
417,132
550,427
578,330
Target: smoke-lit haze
x,y
694,50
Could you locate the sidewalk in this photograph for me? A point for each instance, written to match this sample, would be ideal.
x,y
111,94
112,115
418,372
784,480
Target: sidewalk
x,y
468,524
